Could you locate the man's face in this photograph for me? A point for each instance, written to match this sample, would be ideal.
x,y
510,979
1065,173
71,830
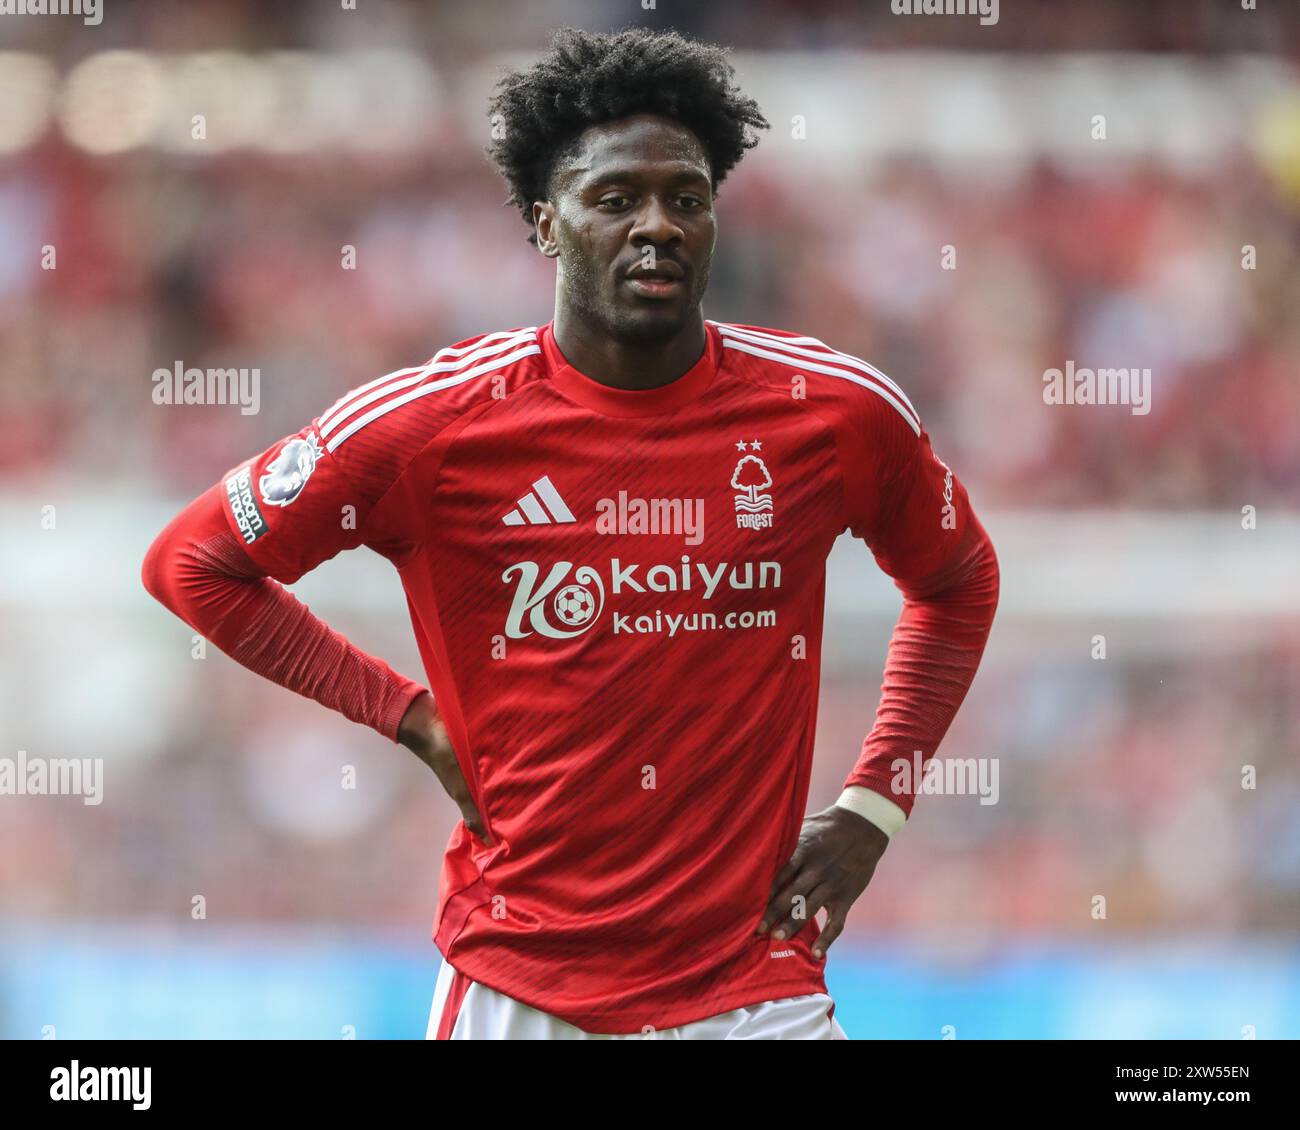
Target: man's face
x,y
631,221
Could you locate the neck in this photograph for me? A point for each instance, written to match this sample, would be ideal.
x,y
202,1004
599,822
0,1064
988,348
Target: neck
x,y
595,353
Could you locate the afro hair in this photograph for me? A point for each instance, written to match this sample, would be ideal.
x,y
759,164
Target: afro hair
x,y
587,78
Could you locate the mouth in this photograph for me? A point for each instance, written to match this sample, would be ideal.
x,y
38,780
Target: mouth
x,y
665,280
652,286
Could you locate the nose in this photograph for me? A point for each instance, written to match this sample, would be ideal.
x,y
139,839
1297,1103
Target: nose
x,y
654,223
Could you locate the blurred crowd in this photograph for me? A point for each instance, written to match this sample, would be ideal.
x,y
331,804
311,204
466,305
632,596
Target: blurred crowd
x,y
453,30
239,261
1167,786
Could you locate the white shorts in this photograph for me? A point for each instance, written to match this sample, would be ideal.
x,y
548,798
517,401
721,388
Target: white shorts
x,y
465,1010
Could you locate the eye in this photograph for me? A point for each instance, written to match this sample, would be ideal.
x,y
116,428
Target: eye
x,y
613,201
690,202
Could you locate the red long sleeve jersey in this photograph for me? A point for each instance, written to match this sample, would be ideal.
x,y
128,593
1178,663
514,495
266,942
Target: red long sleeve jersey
x,y
618,598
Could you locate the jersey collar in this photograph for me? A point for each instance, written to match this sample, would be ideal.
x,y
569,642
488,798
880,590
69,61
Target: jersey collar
x,y
612,401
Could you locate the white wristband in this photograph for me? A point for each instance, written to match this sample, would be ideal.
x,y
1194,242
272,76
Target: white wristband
x,y
871,806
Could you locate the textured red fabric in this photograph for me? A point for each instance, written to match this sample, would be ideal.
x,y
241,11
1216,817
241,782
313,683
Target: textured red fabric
x,y
932,658
199,570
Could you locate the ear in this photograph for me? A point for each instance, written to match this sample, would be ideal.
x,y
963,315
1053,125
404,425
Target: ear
x,y
544,224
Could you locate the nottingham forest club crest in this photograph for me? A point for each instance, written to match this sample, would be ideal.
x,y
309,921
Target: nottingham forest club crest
x,y
752,478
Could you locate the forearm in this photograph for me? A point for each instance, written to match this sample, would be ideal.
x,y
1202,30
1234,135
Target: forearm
x,y
933,655
198,569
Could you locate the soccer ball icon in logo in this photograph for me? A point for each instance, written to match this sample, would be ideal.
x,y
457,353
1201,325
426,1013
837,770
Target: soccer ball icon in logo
x,y
574,605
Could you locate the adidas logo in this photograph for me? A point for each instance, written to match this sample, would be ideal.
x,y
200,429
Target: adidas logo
x,y
531,512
